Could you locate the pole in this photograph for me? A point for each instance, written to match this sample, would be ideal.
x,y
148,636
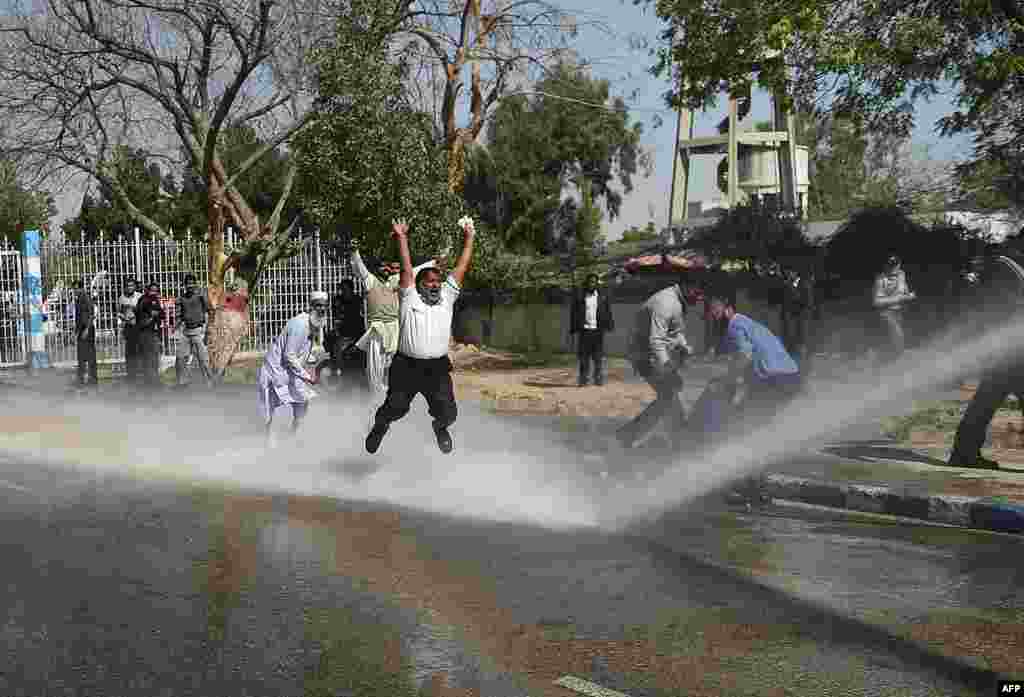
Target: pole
x,y
36,356
319,261
733,156
138,253
679,199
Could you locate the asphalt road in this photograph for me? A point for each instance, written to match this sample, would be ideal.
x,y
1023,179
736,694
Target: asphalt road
x,y
118,586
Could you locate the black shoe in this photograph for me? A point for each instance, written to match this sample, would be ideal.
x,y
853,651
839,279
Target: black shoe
x,y
374,438
581,383
444,440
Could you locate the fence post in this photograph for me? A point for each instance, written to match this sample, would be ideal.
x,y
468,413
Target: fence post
x,y
229,245
32,288
138,255
319,260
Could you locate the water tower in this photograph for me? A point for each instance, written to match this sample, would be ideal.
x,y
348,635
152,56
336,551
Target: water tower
x,y
759,163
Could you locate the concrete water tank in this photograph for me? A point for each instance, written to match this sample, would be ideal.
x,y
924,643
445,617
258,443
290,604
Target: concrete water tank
x,y
759,169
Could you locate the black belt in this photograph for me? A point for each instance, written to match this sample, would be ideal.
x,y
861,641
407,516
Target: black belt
x,y
193,326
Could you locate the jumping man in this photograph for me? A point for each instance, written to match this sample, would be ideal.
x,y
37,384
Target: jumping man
x,y
380,340
421,365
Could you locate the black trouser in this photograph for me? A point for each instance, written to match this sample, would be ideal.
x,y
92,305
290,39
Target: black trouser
x,y
131,353
591,349
992,392
667,404
86,350
148,356
430,377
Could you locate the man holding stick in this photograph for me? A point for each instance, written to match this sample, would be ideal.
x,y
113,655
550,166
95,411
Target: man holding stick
x,y
421,365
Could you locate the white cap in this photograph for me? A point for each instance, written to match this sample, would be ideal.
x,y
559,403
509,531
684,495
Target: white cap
x,y
318,296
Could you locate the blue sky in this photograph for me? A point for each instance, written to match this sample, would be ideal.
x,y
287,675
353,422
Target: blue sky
x,y
626,69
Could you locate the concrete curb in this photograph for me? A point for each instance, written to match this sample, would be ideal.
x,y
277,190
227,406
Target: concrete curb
x,y
965,511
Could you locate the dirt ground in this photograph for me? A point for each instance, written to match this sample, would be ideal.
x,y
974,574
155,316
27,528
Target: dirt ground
x,y
497,379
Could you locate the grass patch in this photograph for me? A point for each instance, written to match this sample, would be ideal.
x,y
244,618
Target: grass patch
x,y
942,416
937,416
358,658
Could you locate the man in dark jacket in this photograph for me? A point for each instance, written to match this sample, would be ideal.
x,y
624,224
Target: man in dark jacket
x,y
347,325
591,317
85,332
149,316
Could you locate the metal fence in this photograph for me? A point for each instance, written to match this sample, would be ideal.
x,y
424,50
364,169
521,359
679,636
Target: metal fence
x,y
12,309
108,265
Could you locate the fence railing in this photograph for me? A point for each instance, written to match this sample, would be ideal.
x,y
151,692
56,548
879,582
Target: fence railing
x,y
108,264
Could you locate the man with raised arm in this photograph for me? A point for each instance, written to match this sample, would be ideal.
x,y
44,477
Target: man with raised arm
x,y
380,341
421,365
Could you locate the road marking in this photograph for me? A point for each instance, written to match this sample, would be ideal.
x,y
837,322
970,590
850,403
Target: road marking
x,y
587,688
11,485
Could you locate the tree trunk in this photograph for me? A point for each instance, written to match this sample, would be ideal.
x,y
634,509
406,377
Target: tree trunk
x,y
457,163
229,309
230,324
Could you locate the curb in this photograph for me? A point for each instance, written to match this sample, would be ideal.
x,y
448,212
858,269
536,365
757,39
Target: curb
x,y
997,515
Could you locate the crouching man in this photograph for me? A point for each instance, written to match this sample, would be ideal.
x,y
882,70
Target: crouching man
x,y
761,378
285,377
421,365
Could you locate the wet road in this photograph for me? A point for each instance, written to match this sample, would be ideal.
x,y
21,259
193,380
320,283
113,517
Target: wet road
x,y
120,587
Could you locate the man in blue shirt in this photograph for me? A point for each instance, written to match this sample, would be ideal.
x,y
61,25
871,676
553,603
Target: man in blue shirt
x,y
761,378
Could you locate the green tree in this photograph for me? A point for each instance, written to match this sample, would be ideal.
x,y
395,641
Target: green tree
x,y
588,225
20,205
369,156
840,170
994,176
876,56
572,130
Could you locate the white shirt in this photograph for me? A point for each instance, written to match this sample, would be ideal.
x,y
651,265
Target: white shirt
x,y
590,313
127,304
426,330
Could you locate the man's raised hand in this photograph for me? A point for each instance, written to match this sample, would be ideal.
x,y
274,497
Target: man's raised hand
x,y
399,228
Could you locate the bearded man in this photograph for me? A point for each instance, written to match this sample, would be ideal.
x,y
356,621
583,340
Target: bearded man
x,y
380,341
421,365
285,377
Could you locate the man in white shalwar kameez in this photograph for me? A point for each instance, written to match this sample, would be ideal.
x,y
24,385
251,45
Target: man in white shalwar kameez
x,y
380,342
287,375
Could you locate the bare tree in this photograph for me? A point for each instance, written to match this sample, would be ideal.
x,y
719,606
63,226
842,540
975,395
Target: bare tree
x,y
81,79
493,44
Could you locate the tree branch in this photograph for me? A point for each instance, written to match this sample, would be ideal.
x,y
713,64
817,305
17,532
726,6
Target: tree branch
x,y
286,192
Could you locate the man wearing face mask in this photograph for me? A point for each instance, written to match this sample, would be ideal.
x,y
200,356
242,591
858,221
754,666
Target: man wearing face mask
x,y
285,377
380,341
421,365
191,312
